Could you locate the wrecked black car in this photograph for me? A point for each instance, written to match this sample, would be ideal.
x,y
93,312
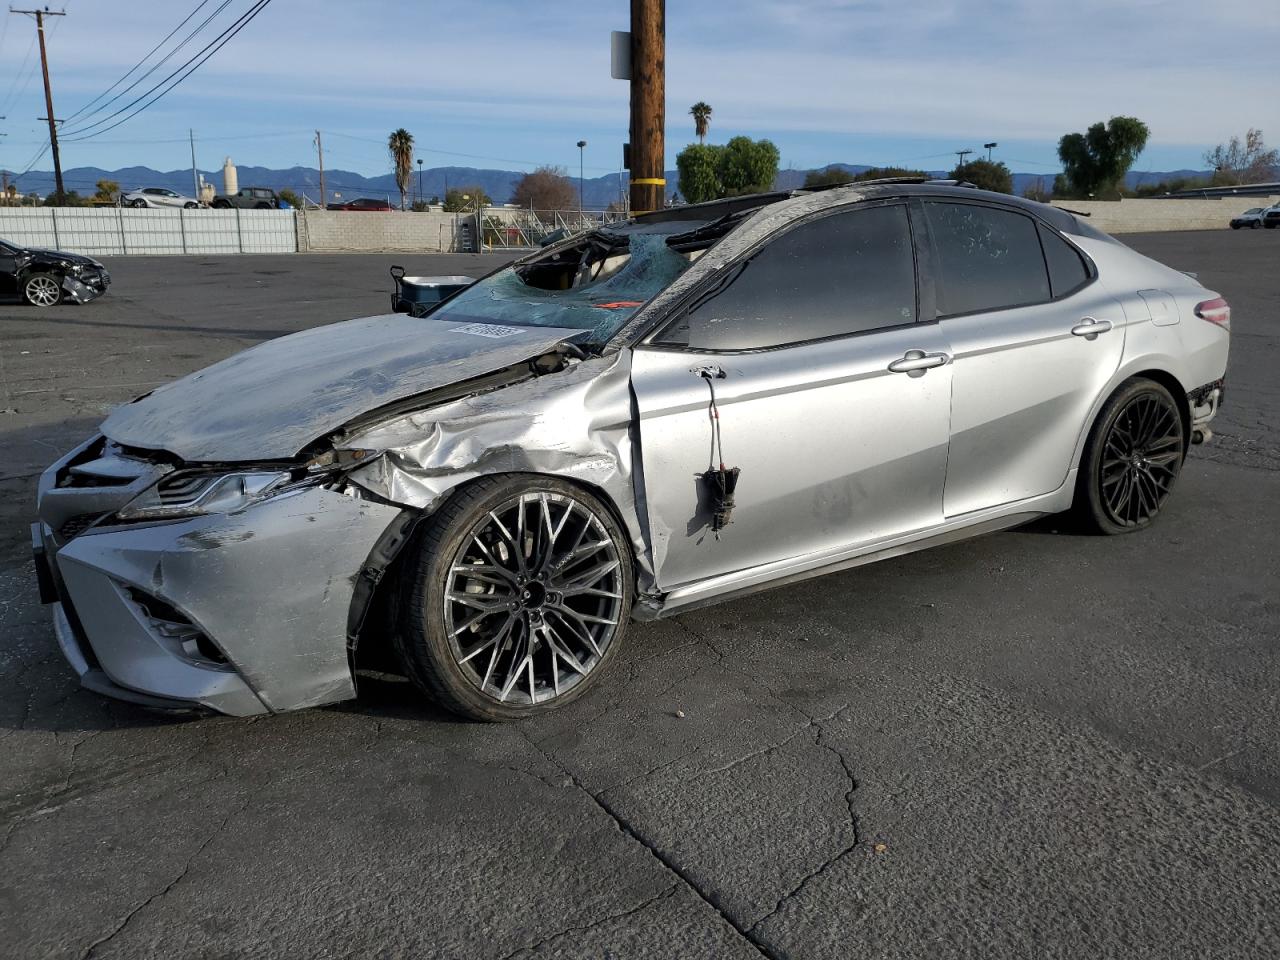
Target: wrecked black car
x,y
45,277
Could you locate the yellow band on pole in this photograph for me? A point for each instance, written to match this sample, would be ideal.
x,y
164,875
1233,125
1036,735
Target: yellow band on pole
x,y
653,181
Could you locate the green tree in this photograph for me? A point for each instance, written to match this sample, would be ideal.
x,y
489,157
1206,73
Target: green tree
x,y
460,199
827,176
747,166
701,113
108,191
985,175
699,172
400,145
1094,162
290,197
888,173
69,199
1235,162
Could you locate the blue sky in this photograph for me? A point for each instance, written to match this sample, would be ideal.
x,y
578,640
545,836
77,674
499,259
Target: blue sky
x,y
498,83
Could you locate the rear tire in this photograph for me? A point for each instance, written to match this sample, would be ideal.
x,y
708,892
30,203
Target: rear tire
x,y
517,599
1255,225
1131,460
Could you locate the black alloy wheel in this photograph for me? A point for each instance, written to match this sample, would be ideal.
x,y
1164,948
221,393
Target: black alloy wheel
x,y
520,597
1132,459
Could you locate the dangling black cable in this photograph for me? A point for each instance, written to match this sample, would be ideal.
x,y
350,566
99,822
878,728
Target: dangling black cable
x,y
721,483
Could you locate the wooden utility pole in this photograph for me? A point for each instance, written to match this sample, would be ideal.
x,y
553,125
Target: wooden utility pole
x,y
48,95
320,153
648,105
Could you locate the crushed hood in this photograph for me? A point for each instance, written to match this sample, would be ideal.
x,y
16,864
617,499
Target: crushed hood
x,y
272,400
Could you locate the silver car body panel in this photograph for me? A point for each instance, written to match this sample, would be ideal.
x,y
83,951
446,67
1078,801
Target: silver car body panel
x,y
271,400
574,424
843,462
284,635
834,449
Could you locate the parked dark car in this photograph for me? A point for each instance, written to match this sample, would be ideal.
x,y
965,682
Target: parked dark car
x,y
44,277
364,203
1271,219
248,198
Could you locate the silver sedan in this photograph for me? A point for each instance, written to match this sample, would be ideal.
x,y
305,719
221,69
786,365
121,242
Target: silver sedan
x,y
656,415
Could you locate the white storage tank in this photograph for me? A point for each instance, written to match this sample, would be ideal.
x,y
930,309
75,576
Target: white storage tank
x,y
230,183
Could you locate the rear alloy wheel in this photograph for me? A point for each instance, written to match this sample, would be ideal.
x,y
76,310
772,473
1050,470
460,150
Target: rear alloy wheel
x,y
1132,458
42,290
1255,225
520,598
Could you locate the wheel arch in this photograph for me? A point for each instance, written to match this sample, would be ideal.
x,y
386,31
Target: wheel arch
x,y
1159,370
372,614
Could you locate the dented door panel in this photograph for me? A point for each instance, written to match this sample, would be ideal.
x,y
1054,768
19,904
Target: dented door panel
x,y
834,449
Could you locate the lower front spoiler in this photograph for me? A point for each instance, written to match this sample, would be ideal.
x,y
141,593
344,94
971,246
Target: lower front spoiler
x,y
96,679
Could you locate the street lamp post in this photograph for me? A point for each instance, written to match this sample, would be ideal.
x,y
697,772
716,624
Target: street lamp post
x,y
419,179
990,147
581,146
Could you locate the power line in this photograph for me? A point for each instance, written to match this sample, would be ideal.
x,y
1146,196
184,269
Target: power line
x,y
86,126
147,57
184,71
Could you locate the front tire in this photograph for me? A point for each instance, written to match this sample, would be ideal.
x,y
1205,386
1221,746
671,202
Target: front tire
x,y
517,600
1131,460
42,290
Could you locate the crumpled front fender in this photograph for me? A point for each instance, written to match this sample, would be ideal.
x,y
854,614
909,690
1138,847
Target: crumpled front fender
x,y
575,424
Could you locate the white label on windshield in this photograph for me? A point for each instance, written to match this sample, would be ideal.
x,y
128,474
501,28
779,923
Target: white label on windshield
x,y
492,330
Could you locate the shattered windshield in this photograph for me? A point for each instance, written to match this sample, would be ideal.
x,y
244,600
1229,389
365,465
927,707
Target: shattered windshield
x,y
596,284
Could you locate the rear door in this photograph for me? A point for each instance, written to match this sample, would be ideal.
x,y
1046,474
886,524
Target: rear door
x,y
830,397
1034,339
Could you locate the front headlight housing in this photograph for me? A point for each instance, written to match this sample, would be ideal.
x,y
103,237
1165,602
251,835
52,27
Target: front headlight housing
x,y
189,493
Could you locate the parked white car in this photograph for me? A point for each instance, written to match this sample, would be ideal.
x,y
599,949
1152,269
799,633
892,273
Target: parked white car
x,y
1250,218
157,197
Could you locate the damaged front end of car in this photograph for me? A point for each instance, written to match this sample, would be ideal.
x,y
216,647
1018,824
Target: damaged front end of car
x,y
228,539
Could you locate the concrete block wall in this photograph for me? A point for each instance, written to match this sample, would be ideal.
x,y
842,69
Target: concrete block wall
x,y
341,231
1143,216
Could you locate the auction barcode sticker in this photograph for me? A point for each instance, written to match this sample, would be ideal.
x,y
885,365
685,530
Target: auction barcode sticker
x,y
492,330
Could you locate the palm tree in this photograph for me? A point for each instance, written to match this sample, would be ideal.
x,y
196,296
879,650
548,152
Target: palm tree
x,y
701,119
400,143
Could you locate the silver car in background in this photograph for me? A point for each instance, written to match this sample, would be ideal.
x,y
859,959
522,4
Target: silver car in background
x,y
157,197
636,421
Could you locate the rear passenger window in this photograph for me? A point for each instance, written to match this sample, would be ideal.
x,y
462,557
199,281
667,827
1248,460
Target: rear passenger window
x,y
987,259
845,273
1067,270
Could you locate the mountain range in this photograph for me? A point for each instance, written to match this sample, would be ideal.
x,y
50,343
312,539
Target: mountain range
x,y
598,192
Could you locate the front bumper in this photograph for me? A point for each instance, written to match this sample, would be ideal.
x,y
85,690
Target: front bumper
x,y
241,613
87,285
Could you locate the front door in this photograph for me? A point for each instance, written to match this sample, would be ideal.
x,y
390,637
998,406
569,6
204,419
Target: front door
x,y
831,399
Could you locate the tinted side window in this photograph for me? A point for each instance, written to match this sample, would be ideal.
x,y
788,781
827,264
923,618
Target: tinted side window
x,y
1067,271
986,259
841,274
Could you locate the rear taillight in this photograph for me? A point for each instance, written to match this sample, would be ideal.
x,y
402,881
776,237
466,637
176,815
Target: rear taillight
x,y
1216,311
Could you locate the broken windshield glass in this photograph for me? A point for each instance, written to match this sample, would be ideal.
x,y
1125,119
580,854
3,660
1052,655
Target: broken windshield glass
x,y
596,284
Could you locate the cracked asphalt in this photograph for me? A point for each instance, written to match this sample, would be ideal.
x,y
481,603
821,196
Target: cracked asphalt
x,y
1034,744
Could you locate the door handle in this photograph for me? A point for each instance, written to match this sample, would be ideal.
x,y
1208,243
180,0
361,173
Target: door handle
x,y
1089,328
916,362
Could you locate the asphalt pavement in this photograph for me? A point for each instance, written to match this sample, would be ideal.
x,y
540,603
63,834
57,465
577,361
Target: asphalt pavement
x,y
1035,744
